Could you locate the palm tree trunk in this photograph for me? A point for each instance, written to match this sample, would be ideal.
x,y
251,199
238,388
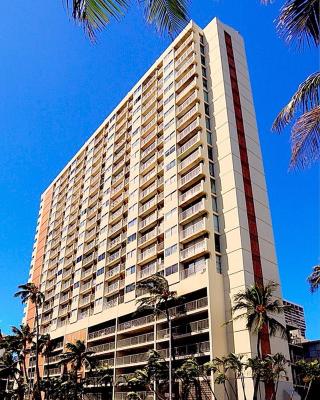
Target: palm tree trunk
x,y
257,381
48,376
37,393
308,391
25,371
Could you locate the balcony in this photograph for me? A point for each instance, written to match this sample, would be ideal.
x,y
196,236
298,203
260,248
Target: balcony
x,y
191,177
192,194
102,348
145,239
133,359
102,333
112,303
193,230
149,253
85,313
151,219
89,259
186,42
194,251
151,204
117,227
191,160
150,270
189,146
136,340
189,130
115,286
136,323
179,62
113,258
187,104
86,300
187,329
193,211
185,119
65,297
142,395
196,350
199,268
86,286
88,272
116,242
145,130
149,191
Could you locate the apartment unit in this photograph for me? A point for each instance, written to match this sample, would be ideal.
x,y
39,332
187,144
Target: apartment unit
x,y
171,182
295,319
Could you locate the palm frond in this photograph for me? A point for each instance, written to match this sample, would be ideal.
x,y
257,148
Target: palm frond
x,y
94,15
168,15
306,98
299,22
276,327
305,139
314,279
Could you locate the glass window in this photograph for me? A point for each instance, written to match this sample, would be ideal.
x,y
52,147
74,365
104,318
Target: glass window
x,y
131,238
131,270
130,288
170,250
171,270
102,256
100,271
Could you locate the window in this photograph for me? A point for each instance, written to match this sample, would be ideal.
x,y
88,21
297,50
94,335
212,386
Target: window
x,y
132,208
99,286
132,222
131,270
168,124
131,238
216,223
204,72
206,109
78,259
168,88
170,250
171,196
171,270
169,137
170,214
168,66
168,112
170,165
170,180
168,77
208,124
98,302
76,285
203,59
170,151
218,264
209,137
130,288
100,271
170,232
102,256
168,99
210,153
217,243
131,253
213,185
59,272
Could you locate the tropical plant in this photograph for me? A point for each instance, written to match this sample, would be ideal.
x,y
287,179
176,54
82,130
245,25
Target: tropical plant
x,y
19,343
94,15
46,347
29,292
78,357
310,373
257,306
10,371
236,364
298,23
189,374
314,279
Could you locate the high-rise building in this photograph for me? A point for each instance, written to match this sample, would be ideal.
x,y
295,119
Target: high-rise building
x,y
294,317
171,182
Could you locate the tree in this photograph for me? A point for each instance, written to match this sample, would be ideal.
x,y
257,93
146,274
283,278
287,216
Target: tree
x,y
46,347
19,343
94,15
30,292
78,357
314,279
236,364
9,370
258,306
158,300
298,23
310,373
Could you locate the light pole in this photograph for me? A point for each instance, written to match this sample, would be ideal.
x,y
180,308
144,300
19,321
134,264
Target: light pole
x,y
170,352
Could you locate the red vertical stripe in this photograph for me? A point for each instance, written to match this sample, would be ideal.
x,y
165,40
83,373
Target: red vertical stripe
x,y
252,222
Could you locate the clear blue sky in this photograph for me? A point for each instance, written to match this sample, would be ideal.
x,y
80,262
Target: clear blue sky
x,y
56,88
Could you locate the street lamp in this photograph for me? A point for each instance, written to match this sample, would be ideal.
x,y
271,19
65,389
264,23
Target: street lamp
x,y
170,353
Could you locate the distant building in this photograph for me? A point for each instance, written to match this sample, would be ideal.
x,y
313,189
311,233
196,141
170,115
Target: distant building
x,y
294,317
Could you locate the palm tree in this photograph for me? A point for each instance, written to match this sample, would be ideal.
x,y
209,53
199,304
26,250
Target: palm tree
x,y
20,343
234,362
78,356
314,279
298,22
94,15
9,370
258,306
30,292
310,373
46,347
159,300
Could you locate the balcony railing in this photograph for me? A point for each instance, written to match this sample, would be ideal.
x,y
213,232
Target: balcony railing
x,y
136,340
191,175
193,210
186,329
184,274
194,228
186,131
195,349
190,159
193,250
136,322
100,348
133,359
189,194
101,333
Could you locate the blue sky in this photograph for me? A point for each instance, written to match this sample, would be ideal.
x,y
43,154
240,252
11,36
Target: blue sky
x,y
56,88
